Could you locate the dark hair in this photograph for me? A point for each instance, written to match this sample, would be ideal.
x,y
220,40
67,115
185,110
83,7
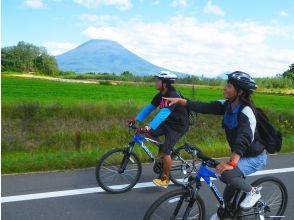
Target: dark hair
x,y
170,87
245,98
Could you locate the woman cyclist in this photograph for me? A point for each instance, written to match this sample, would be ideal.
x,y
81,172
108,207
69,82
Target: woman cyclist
x,y
171,121
239,122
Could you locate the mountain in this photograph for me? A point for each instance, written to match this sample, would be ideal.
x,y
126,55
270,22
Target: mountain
x,y
223,75
104,56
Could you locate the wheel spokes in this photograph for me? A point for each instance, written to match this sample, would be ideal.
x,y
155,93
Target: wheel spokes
x,y
113,176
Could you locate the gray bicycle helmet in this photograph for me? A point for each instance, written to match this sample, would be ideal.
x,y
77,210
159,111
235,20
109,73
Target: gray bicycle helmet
x,y
166,76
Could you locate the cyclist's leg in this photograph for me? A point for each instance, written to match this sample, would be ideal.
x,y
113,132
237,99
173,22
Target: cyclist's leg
x,y
171,138
155,134
229,193
235,179
228,196
248,166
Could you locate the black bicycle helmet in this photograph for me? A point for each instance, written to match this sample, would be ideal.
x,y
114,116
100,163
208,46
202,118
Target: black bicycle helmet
x,y
242,81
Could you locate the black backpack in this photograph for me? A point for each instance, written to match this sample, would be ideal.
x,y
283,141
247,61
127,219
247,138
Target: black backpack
x,y
270,137
192,115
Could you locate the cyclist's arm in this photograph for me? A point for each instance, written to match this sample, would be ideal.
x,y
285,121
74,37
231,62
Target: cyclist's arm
x,y
164,112
215,107
235,157
143,114
160,117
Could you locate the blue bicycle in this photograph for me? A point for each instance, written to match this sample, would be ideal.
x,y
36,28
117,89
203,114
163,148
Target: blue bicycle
x,y
186,204
120,169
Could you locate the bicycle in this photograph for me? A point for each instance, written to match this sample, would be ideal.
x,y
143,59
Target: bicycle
x,y
120,169
186,204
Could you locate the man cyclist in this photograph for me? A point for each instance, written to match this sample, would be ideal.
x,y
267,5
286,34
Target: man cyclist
x,y
172,122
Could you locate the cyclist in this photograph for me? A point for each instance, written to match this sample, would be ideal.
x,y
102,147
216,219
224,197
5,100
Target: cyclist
x,y
171,121
239,122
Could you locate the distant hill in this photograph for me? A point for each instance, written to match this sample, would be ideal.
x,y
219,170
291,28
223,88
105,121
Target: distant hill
x,y
104,56
223,75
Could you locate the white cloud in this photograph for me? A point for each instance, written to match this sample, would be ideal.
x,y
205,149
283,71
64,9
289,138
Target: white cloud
x,y
156,2
283,14
56,48
180,3
186,45
34,3
97,20
121,4
213,9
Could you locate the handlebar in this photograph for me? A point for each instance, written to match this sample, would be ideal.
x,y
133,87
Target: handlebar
x,y
135,128
197,151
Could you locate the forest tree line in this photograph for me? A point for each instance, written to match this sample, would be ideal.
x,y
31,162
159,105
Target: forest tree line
x,y
26,57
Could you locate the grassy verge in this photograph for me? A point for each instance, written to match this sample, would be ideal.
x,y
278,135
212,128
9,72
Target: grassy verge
x,y
41,120
44,137
19,162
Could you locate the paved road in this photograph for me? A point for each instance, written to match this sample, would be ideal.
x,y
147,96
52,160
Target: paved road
x,y
130,205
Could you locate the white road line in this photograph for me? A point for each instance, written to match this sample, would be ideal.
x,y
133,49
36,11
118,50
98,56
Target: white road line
x,y
73,192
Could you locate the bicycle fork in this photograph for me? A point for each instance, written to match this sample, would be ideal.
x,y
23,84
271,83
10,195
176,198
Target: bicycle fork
x,y
192,195
188,209
126,158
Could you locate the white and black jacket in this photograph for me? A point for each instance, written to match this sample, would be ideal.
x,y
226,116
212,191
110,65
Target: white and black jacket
x,y
239,125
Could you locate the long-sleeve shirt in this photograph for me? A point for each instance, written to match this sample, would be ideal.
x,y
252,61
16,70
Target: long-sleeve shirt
x,y
239,125
175,116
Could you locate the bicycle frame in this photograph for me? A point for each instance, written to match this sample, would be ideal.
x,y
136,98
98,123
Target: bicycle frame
x,y
140,139
205,174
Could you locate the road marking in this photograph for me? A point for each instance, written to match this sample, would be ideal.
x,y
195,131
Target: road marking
x,y
73,192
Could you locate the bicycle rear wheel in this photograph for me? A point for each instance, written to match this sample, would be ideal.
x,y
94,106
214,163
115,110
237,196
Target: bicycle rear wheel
x,y
273,194
118,171
173,205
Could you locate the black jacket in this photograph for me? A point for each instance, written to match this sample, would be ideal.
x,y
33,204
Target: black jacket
x,y
239,125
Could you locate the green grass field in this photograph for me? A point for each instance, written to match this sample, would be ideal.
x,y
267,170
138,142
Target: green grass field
x,y
19,90
40,119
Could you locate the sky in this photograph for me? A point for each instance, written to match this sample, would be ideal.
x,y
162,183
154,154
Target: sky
x,y
202,37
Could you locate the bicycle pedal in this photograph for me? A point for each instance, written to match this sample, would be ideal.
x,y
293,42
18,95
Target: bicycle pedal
x,y
157,168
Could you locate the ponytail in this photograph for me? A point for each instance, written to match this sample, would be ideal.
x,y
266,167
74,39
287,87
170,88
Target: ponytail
x,y
245,98
170,87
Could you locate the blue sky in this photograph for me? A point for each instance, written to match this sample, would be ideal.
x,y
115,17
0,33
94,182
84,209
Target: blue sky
x,y
195,36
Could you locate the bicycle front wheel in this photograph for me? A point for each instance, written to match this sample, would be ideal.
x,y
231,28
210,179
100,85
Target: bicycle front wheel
x,y
118,171
176,205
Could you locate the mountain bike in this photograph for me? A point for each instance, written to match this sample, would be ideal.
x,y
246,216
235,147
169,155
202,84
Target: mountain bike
x,y
120,169
185,203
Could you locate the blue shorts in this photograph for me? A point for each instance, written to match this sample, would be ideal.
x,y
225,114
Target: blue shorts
x,y
249,165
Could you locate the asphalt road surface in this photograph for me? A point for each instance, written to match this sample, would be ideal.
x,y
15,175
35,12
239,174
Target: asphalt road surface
x,y
76,195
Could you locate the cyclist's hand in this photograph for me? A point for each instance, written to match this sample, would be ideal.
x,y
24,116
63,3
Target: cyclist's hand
x,y
131,121
148,128
222,167
142,130
172,101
